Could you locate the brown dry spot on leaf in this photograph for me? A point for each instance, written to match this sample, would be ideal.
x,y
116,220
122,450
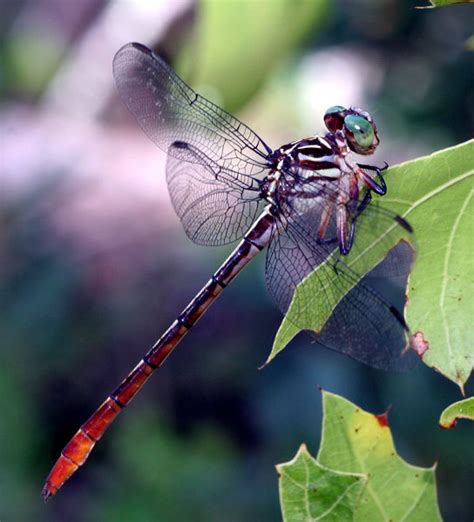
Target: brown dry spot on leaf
x,y
419,343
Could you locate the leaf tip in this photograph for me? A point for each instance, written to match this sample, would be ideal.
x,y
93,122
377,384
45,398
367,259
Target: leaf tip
x,y
382,418
326,393
447,425
450,416
460,382
303,448
267,362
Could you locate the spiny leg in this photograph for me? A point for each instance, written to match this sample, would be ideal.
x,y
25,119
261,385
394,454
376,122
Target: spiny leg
x,y
377,183
360,208
342,228
325,219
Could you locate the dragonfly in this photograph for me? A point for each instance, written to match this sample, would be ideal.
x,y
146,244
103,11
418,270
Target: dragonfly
x,y
304,202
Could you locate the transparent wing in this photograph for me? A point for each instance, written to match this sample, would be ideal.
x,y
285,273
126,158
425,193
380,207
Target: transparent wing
x,y
368,323
215,205
169,111
364,308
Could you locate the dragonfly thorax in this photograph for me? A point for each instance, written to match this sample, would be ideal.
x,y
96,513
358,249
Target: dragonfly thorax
x,y
321,175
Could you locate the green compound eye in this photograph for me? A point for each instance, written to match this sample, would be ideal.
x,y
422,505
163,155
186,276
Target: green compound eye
x,y
334,118
335,109
361,129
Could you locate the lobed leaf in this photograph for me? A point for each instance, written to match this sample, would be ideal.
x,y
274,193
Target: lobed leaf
x,y
356,441
357,475
309,491
459,410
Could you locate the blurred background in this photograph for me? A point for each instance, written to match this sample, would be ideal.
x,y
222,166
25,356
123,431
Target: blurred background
x,y
94,263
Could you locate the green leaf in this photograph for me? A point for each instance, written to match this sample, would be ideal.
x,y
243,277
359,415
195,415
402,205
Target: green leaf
x,y
444,3
355,441
435,194
441,289
459,410
237,44
309,491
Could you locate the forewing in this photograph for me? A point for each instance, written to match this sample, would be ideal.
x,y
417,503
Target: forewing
x,y
365,317
169,111
213,203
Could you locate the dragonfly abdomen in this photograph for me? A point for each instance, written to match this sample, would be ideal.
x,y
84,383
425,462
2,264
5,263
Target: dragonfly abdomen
x,y
75,453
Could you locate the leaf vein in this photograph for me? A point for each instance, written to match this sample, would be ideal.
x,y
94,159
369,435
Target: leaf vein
x,y
339,500
447,256
416,502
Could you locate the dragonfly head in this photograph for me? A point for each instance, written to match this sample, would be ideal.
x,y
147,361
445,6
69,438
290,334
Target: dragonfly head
x,y
357,125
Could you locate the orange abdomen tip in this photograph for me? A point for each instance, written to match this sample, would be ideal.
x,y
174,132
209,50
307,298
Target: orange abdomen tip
x,y
61,471
73,455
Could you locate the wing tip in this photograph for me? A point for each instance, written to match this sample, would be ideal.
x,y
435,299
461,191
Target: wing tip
x,y
140,47
133,46
404,223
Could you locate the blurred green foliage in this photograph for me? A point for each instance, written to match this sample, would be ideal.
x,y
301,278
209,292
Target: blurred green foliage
x,y
203,472
245,40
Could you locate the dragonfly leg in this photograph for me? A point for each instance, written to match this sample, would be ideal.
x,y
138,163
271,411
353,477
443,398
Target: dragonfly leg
x,y
376,183
342,229
363,204
324,222
346,199
350,237
360,208
374,167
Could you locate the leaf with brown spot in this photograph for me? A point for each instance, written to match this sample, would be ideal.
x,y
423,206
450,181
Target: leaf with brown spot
x,y
357,475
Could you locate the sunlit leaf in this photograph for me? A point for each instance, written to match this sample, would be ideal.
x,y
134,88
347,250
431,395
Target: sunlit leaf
x,y
444,3
434,194
309,491
237,44
355,441
459,410
441,289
